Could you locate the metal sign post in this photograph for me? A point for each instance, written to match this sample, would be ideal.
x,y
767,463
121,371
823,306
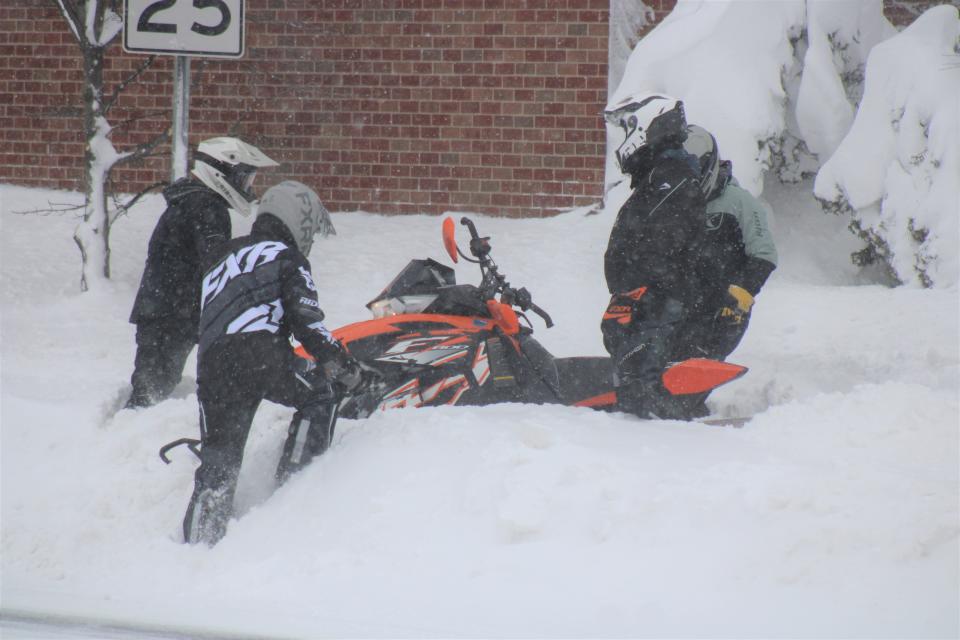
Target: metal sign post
x,y
209,28
181,117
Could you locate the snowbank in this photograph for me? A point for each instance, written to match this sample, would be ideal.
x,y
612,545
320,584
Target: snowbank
x,y
833,513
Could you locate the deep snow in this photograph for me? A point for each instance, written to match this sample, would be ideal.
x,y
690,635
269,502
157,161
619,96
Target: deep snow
x,y
834,512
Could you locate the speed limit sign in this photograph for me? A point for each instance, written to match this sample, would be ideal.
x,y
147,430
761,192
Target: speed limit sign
x,y
184,27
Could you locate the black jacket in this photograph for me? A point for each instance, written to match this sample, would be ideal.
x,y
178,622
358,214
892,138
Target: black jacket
x,y
656,238
195,223
258,293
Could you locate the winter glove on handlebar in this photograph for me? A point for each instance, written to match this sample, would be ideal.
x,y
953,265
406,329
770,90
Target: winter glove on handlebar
x,y
737,306
352,377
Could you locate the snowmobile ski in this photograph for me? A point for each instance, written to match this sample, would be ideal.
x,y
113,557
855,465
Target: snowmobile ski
x,y
737,422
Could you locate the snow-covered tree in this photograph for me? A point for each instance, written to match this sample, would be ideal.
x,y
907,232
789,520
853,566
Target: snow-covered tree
x,y
897,170
95,24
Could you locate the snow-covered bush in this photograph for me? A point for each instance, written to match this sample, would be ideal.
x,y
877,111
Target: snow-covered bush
x,y
839,37
897,171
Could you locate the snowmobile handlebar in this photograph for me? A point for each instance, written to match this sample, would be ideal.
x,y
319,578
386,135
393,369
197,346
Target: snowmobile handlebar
x,y
479,247
522,298
493,281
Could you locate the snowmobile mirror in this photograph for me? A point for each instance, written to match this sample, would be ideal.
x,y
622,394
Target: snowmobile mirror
x,y
450,239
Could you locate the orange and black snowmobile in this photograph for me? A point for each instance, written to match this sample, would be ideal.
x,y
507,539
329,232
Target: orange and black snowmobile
x,y
435,342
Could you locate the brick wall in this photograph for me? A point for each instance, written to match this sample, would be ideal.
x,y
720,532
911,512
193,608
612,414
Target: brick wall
x,y
393,106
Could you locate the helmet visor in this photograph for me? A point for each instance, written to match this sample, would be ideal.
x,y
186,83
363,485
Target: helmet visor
x,y
241,178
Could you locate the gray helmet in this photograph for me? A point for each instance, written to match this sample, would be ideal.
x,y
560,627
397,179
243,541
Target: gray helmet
x,y
701,144
297,206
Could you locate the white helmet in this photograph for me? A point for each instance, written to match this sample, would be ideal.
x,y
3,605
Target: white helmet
x,y
228,166
298,207
651,123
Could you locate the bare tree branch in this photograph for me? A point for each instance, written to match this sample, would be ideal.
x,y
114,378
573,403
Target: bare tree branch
x,y
55,208
123,124
72,16
122,208
145,149
117,90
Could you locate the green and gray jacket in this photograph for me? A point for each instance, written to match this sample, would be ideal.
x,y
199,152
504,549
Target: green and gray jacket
x,y
737,245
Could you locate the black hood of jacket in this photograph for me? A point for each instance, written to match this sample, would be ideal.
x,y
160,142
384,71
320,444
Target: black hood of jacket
x,y
184,187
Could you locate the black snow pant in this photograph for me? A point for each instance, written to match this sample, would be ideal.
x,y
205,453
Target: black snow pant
x,y
162,349
231,383
646,331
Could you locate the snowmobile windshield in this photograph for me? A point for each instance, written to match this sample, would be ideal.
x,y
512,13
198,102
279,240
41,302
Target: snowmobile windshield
x,y
413,289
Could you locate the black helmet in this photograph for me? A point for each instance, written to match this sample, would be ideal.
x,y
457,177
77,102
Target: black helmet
x,y
651,123
701,144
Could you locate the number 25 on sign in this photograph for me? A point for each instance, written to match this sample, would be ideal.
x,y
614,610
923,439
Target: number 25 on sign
x,y
184,27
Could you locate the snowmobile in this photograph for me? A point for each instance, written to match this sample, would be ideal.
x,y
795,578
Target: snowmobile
x,y
435,342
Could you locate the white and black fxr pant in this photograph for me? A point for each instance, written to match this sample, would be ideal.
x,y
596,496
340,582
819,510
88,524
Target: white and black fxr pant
x,y
232,381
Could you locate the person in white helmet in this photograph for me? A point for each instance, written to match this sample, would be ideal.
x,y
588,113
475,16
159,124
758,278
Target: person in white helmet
x,y
196,221
687,254
255,295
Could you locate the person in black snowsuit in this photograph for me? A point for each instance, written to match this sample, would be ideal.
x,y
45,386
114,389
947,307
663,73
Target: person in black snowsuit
x,y
687,253
195,223
255,295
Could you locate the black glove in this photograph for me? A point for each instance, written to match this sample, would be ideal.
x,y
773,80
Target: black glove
x,y
353,377
737,307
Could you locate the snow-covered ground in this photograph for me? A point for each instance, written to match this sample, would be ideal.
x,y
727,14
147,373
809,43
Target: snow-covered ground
x,y
833,513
